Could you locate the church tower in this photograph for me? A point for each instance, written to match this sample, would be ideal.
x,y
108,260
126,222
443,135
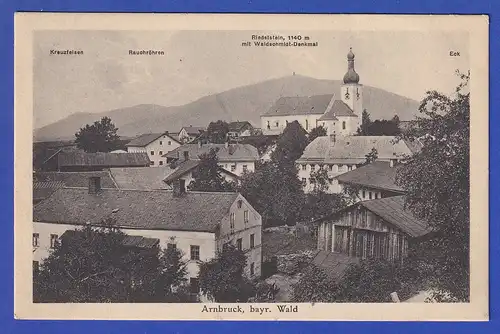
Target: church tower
x,y
351,91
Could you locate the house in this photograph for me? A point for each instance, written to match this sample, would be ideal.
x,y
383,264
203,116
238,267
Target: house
x,y
187,171
341,116
199,224
155,145
189,133
86,162
341,154
372,181
239,129
380,228
234,158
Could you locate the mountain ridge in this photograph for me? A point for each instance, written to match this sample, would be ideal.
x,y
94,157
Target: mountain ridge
x,y
236,104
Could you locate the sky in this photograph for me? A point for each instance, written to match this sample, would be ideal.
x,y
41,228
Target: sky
x,y
199,63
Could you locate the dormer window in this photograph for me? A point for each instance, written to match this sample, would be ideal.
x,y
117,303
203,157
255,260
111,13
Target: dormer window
x,y
240,203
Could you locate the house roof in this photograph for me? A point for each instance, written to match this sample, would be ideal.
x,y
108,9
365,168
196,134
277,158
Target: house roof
x,y
234,152
393,210
182,169
44,189
148,138
127,241
333,264
75,179
237,126
353,149
141,178
337,109
378,175
187,166
300,105
136,209
193,130
102,159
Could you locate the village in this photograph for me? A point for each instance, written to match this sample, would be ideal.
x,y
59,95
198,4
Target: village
x,y
314,204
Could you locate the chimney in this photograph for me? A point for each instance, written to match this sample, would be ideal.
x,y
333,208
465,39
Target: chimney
x,y
186,155
179,187
94,184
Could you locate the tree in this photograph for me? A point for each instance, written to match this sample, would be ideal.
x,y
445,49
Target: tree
x,y
208,177
93,265
290,145
436,181
275,192
98,137
217,132
222,279
371,157
395,120
383,127
316,132
365,123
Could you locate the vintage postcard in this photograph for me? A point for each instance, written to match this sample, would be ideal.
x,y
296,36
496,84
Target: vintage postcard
x,y
251,167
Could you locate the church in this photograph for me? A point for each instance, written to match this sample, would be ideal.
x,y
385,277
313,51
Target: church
x,y
342,117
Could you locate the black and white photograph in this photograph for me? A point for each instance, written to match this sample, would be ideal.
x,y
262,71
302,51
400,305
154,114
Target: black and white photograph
x,y
252,172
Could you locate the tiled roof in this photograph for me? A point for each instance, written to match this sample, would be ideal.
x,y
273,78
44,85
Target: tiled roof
x,y
234,152
392,209
337,109
182,169
147,138
194,130
353,148
237,126
42,190
333,264
76,179
127,241
141,178
378,175
101,159
136,209
300,105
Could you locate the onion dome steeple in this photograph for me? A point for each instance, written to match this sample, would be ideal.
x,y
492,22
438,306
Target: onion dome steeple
x,y
351,77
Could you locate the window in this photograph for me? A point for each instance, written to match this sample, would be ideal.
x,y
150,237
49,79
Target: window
x,y
152,163
36,236
239,244
160,163
304,181
277,124
245,168
240,204
160,153
364,194
169,143
252,240
312,168
152,152
231,222
53,240
376,195
161,143
268,125
194,285
252,269
233,168
307,124
343,125
171,246
245,216
195,252
304,167
370,195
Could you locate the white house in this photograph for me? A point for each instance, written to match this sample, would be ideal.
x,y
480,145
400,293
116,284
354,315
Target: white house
x,y
197,223
234,158
155,145
190,133
341,154
342,117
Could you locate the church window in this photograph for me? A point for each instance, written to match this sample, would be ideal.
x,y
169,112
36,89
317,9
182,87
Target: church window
x,y
347,94
343,125
357,94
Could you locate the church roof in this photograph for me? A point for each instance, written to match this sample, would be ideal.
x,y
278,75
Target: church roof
x,y
300,105
338,109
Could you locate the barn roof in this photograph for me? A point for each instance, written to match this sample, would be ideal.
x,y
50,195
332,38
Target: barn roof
x,y
233,152
378,175
102,159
